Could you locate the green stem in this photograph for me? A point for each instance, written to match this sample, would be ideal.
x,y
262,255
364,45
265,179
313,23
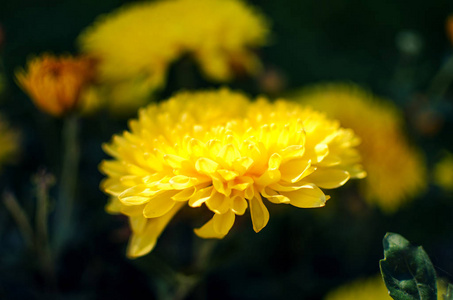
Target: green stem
x,y
43,183
20,217
186,283
68,181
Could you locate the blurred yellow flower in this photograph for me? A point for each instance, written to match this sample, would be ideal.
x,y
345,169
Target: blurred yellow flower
x,y
220,149
55,84
372,288
449,25
396,170
443,172
9,141
137,43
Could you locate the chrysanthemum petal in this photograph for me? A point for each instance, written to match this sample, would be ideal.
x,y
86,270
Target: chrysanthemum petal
x,y
206,166
173,161
113,206
292,152
137,223
132,210
329,178
223,222
227,175
259,213
143,242
308,196
200,197
159,205
269,177
180,182
238,205
218,203
273,196
207,231
294,170
136,195
184,195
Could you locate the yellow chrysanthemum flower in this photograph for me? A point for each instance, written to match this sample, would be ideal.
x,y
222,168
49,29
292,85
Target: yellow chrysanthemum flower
x,y
9,141
443,172
372,288
137,43
55,84
219,149
396,170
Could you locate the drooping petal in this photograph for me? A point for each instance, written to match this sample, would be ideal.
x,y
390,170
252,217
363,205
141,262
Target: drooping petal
x,y
137,223
113,206
143,242
223,222
307,197
239,205
259,213
159,205
207,231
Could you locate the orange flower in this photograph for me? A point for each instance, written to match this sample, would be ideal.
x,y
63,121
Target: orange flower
x,y
450,27
55,83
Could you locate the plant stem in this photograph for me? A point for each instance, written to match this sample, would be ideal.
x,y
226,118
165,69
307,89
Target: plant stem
x,y
68,181
186,283
43,182
19,215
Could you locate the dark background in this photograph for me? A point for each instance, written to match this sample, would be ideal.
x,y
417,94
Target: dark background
x,y
301,253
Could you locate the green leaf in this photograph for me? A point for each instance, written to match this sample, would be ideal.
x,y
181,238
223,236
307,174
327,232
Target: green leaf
x,y
449,294
407,270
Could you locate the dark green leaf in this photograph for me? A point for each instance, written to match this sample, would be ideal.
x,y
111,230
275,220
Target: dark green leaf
x,y
407,270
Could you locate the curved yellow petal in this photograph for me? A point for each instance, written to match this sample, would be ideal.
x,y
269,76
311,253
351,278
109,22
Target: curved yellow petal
x,y
136,195
113,206
143,242
206,166
159,205
273,196
307,197
207,231
294,170
218,203
328,178
239,205
200,197
223,222
137,223
259,213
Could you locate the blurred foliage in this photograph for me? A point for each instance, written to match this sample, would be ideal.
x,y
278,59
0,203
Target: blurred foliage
x,y
393,48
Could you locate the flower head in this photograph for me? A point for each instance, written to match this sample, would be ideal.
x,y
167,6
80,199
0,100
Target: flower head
x,y
55,84
137,43
443,172
9,139
219,149
395,169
